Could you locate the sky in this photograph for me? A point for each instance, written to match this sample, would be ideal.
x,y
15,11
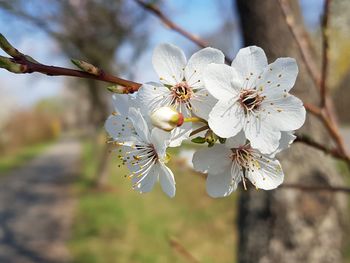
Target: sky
x,y
26,90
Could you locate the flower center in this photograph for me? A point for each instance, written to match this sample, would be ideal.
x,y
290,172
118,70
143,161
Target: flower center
x,y
181,92
242,155
250,100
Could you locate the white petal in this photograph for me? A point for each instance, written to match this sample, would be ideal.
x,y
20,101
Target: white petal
x,y
262,136
121,103
278,77
268,175
169,62
222,81
286,113
140,125
160,141
224,183
119,128
287,138
202,103
148,182
198,62
152,96
236,141
167,181
179,134
250,62
225,119
212,160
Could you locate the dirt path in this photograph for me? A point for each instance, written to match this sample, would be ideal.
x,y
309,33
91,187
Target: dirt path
x,y
36,207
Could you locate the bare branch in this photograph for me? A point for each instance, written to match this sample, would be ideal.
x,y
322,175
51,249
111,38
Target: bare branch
x,y
170,24
301,40
182,250
333,152
325,51
20,63
327,188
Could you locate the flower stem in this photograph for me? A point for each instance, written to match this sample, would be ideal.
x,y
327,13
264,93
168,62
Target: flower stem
x,y
194,119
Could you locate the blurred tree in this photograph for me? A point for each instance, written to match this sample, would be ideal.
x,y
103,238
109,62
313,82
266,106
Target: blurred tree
x,y
290,225
91,30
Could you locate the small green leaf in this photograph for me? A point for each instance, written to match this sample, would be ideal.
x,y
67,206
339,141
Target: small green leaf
x,y
198,140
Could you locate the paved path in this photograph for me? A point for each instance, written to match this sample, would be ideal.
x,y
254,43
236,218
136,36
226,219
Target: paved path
x,y
36,207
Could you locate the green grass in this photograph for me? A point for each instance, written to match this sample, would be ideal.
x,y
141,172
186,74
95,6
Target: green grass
x,y
120,225
17,159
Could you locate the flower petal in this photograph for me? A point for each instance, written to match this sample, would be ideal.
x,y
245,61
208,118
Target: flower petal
x,y
236,141
287,138
225,119
198,62
224,183
152,96
250,63
212,160
140,125
286,113
262,136
169,62
179,134
147,183
267,174
278,77
222,81
121,103
160,141
119,128
167,181
202,103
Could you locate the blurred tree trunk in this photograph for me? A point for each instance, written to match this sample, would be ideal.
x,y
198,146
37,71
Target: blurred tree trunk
x,y
288,225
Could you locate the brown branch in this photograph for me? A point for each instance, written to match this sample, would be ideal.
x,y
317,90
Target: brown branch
x,y
300,38
170,24
203,128
327,188
182,250
325,51
325,114
313,109
331,151
30,67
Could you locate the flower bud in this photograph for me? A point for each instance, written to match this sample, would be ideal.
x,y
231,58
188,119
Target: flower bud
x,y
166,118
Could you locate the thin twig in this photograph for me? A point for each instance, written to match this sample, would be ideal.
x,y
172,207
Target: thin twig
x,y
182,250
30,67
300,38
203,128
327,188
333,152
170,24
325,51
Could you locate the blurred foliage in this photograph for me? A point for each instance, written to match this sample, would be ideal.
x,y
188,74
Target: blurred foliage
x,y
31,126
119,225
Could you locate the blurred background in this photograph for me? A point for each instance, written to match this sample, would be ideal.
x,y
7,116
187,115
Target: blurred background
x,y
63,197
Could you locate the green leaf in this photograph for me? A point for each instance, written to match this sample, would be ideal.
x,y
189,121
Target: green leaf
x,y
198,140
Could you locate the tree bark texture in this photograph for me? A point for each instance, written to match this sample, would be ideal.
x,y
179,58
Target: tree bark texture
x,y
286,225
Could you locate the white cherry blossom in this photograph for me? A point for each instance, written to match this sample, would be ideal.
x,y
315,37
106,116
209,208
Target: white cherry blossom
x,y
145,156
253,96
235,161
181,81
118,125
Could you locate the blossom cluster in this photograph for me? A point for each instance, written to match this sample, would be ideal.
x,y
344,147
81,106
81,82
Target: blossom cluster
x,y
244,112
